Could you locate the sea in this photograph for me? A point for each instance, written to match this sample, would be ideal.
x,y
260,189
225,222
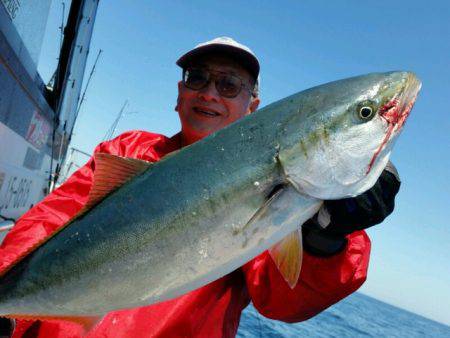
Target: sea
x,y
356,316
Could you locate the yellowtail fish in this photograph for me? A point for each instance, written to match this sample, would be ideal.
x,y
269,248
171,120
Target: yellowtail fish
x,y
202,212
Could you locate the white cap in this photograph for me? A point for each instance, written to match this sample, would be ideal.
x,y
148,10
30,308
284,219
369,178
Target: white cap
x,y
228,46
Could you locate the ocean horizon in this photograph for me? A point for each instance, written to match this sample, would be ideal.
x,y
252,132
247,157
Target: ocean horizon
x,y
358,315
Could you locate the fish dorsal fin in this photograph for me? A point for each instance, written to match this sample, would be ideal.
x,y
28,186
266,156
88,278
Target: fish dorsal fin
x,y
111,172
287,255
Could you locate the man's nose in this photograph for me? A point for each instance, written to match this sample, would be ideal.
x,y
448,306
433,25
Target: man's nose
x,y
209,92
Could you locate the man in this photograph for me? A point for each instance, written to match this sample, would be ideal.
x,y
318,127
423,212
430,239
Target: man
x,y
219,86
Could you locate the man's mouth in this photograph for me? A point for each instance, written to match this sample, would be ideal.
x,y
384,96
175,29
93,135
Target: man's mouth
x,y
205,111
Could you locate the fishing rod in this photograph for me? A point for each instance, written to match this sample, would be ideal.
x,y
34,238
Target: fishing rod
x,y
87,83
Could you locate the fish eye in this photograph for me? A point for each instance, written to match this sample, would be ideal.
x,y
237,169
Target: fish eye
x,y
366,111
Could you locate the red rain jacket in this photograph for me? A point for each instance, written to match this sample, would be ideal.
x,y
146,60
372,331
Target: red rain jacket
x,y
211,311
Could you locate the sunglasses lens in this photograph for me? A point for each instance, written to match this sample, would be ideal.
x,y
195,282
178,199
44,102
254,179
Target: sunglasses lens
x,y
228,86
196,78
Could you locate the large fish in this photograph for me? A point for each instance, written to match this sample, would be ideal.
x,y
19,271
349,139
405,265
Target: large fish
x,y
204,211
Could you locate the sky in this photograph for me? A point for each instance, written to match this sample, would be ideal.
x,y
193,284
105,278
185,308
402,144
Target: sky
x,y
300,44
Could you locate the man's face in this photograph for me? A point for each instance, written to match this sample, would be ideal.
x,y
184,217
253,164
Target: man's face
x,y
204,111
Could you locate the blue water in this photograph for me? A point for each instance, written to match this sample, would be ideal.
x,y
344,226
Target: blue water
x,y
356,316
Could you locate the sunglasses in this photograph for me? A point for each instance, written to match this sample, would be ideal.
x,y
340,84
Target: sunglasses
x,y
227,85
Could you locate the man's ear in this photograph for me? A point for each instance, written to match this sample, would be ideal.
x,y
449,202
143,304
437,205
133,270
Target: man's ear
x,y
254,103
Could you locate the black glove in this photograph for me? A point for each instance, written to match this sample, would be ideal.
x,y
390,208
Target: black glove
x,y
324,234
6,327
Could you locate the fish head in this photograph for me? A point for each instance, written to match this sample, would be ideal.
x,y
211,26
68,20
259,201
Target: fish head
x,y
348,129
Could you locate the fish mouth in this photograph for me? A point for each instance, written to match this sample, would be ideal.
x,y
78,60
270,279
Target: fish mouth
x,y
396,110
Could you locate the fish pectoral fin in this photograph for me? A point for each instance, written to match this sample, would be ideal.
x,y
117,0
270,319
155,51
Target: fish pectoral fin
x,y
86,322
287,255
286,209
263,212
110,173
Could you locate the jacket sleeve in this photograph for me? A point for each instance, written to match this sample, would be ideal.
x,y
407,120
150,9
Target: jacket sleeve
x,y
322,282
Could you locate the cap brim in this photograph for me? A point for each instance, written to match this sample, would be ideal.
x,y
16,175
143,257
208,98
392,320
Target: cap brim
x,y
245,58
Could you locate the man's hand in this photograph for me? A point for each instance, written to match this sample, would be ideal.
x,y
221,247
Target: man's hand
x,y
324,234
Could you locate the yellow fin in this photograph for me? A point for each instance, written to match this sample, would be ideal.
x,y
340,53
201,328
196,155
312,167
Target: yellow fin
x,y
287,255
110,173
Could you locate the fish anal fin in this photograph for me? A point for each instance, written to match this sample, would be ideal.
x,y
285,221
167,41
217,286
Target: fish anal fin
x,y
287,255
86,322
110,173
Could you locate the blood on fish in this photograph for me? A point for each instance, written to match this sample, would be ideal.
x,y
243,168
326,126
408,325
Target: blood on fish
x,y
392,113
385,140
